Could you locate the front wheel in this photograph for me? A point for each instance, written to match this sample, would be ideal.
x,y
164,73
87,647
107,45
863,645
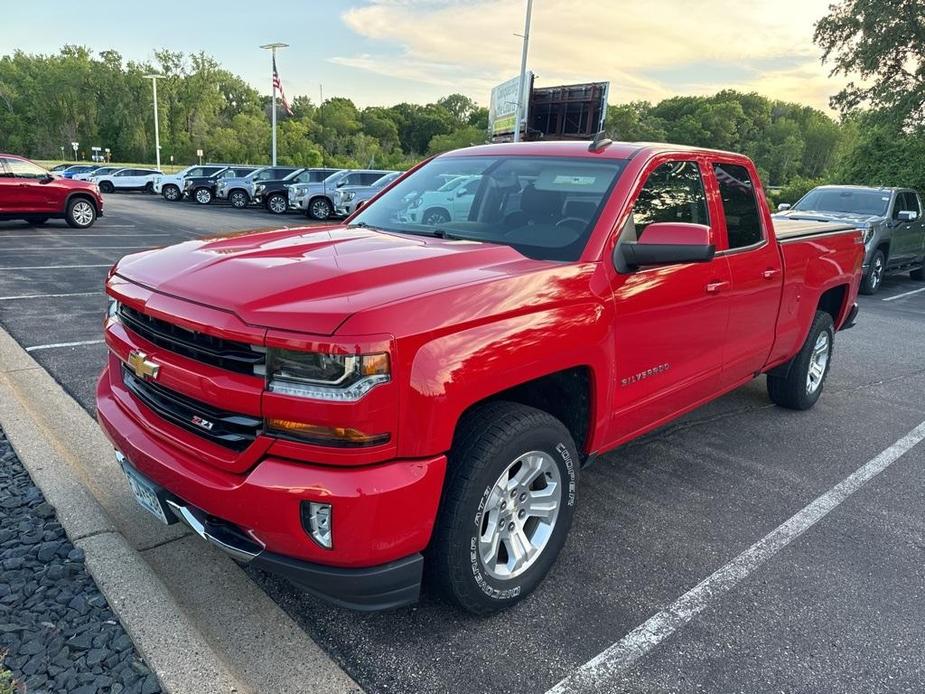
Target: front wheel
x,y
874,277
171,193
106,187
804,376
203,196
320,209
80,214
508,504
277,203
239,199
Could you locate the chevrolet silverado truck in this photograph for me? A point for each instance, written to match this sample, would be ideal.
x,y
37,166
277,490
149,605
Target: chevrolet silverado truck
x,y
890,219
29,192
358,407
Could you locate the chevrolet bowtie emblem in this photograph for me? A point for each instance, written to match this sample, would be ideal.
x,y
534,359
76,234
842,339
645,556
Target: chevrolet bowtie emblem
x,y
142,366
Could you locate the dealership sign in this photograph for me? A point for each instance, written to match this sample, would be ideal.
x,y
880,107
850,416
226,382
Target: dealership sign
x,y
503,110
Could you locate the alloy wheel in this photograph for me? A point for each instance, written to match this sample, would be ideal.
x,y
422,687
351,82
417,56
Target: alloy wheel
x,y
277,204
82,213
203,196
818,361
321,209
876,273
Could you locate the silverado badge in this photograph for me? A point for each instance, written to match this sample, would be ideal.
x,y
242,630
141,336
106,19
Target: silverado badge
x,y
142,366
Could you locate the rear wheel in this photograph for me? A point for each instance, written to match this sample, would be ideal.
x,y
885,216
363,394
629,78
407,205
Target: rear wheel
x,y
203,196
81,213
277,203
805,376
874,277
320,208
239,199
509,500
106,187
149,187
171,193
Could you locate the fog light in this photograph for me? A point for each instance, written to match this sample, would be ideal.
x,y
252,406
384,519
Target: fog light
x,y
316,520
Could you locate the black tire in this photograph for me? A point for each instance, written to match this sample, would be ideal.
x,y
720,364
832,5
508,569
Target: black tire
x,y
149,187
277,203
435,217
171,193
874,278
319,208
106,187
918,275
487,441
789,387
80,213
202,196
239,199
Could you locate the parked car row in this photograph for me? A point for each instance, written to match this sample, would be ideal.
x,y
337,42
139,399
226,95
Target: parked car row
x,y
891,218
320,193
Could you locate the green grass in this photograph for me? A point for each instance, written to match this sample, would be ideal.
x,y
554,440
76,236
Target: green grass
x,y
6,678
166,168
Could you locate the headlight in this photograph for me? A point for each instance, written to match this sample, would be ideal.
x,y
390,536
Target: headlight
x,y
337,377
260,188
415,203
112,311
868,234
349,196
187,184
157,179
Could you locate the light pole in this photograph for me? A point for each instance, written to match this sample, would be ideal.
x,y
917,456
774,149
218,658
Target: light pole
x,y
157,134
272,48
523,74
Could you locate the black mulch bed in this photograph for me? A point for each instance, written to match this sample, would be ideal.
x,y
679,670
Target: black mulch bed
x,y
56,627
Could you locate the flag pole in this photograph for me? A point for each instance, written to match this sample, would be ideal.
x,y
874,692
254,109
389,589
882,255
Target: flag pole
x,y
272,48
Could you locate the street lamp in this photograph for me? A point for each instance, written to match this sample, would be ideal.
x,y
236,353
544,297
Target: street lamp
x,y
272,48
157,135
523,74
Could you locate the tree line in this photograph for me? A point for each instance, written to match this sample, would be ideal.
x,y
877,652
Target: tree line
x,y
48,101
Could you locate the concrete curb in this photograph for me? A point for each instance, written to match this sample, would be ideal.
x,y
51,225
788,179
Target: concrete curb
x,y
201,624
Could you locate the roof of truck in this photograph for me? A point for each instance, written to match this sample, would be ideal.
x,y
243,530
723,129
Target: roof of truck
x,y
580,148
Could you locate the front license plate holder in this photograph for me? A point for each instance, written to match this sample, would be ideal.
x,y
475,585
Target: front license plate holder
x,y
148,495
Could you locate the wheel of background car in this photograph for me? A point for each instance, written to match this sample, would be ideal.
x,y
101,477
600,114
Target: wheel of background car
x,y
149,187
320,208
81,213
239,199
171,193
203,196
106,187
435,216
798,384
918,275
509,500
277,203
874,278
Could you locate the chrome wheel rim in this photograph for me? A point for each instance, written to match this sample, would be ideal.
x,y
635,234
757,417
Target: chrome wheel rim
x,y
203,196
876,274
321,209
237,200
520,515
818,361
171,193
82,213
277,204
436,218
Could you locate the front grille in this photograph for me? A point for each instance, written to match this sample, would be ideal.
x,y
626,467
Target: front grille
x,y
234,431
226,354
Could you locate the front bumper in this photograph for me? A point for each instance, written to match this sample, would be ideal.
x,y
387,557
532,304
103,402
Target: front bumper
x,y
383,514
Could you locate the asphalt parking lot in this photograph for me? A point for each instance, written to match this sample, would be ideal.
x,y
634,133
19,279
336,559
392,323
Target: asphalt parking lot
x,y
840,608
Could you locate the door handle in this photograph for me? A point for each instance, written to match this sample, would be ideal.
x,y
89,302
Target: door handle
x,y
770,274
716,287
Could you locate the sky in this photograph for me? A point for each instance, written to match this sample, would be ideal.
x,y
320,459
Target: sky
x,y
382,52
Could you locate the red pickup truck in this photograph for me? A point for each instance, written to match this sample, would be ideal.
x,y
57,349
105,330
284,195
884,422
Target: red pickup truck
x,y
356,407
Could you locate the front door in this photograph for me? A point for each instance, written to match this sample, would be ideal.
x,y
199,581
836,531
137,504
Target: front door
x,y
26,188
670,321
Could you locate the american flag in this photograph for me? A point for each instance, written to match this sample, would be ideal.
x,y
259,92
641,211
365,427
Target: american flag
x,y
279,86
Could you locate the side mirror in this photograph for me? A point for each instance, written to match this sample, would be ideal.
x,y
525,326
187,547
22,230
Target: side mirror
x,y
665,243
783,206
340,184
907,216
47,178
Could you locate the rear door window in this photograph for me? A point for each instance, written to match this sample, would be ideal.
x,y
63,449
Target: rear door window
x,y
740,206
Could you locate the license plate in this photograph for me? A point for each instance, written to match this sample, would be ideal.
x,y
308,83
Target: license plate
x,y
145,494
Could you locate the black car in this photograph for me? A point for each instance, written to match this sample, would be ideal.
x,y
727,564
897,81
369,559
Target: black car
x,y
202,188
274,194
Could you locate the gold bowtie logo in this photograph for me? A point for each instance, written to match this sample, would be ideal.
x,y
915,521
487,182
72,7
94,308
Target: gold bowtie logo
x,y
142,366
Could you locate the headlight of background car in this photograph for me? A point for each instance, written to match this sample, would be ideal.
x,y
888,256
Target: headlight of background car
x,y
349,196
260,188
337,377
868,234
187,183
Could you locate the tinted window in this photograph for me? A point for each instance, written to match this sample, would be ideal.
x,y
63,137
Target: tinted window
x,y
905,202
672,193
849,200
370,178
740,206
25,169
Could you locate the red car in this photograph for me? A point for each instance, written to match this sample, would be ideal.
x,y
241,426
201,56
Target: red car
x,y
345,405
29,192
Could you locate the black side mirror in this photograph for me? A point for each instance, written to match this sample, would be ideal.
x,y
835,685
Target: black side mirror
x,y
665,243
47,178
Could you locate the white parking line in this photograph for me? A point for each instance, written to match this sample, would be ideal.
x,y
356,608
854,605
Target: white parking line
x,y
900,296
116,226
599,672
49,296
56,345
54,267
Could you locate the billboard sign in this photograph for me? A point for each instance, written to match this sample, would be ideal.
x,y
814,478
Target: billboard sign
x,y
502,112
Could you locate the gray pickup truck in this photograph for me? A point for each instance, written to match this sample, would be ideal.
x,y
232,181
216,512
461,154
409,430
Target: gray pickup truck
x,y
894,228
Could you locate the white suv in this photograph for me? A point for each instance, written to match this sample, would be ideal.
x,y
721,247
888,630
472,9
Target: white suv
x,y
127,179
171,187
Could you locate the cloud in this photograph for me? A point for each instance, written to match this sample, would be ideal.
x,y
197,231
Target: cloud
x,y
469,46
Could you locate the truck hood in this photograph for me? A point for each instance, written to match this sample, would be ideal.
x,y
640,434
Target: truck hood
x,y
825,216
311,280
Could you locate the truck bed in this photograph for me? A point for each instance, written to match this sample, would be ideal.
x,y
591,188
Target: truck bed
x,y
792,229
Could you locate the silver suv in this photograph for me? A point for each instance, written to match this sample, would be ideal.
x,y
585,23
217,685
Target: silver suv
x,y
317,199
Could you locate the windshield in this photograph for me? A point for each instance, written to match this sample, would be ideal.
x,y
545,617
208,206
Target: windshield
x,y
850,200
544,207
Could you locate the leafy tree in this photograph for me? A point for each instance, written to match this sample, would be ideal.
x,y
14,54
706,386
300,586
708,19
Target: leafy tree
x,y
464,137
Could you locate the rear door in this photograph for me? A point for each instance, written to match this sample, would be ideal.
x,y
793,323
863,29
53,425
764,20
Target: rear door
x,y
906,235
755,266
